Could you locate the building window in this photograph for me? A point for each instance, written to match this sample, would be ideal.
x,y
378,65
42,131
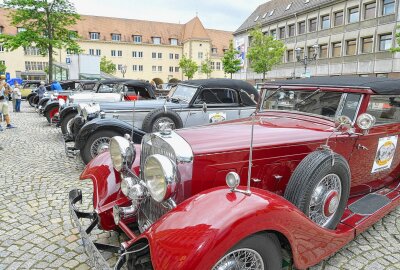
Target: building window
x,y
134,67
388,7
119,67
354,15
272,33
281,32
154,68
171,69
171,56
134,54
1,48
200,55
218,65
176,56
212,65
91,51
385,42
159,68
176,69
113,53
351,47
156,40
382,75
336,49
116,37
21,29
214,50
119,53
94,35
140,54
338,18
301,27
140,67
369,10
154,55
325,22
98,52
31,50
290,56
323,51
159,55
367,45
1,29
312,25
173,41
137,39
291,30
32,65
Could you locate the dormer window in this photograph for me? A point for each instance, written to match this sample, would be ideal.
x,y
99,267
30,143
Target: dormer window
x,y
156,40
73,34
173,41
137,39
265,15
214,50
21,29
116,37
1,29
94,35
271,12
288,6
256,18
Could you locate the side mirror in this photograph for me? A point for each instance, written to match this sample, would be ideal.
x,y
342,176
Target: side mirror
x,y
365,122
343,123
204,107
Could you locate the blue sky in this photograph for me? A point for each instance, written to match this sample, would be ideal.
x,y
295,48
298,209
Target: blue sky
x,y
215,14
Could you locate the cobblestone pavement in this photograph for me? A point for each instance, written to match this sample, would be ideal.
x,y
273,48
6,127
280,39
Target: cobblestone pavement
x,y
36,231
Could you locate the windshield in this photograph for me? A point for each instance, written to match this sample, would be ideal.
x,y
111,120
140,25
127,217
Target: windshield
x,y
314,102
182,93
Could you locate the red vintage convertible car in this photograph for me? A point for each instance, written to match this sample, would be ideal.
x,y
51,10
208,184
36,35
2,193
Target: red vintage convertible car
x,y
324,165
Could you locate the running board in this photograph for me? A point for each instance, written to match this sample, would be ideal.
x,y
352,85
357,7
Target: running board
x,y
369,204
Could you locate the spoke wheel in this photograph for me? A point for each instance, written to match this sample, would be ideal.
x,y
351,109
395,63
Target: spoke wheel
x,y
325,199
162,120
99,145
241,259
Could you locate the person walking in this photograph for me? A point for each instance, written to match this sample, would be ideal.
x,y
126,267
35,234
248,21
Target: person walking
x,y
17,96
5,90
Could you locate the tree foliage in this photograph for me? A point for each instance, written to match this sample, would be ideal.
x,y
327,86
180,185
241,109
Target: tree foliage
x,y
230,62
265,52
46,26
188,66
107,66
396,49
205,67
174,80
3,68
158,81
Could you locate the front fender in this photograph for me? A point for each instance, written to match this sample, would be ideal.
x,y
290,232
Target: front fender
x,y
197,233
50,105
67,110
98,124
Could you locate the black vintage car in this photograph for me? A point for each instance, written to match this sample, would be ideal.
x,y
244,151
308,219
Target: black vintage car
x,y
106,91
190,103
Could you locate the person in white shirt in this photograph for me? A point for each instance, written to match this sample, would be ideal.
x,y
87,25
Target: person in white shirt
x,y
17,96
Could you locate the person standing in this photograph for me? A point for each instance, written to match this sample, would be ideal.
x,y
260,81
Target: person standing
x,y
17,96
5,90
56,86
41,90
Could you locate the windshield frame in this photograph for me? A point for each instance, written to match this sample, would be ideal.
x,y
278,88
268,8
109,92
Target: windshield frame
x,y
313,90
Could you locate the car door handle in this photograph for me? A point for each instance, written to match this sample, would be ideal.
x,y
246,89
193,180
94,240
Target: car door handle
x,y
191,113
362,147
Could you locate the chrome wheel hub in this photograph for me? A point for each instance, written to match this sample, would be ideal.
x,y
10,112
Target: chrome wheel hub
x,y
325,199
163,120
99,145
240,259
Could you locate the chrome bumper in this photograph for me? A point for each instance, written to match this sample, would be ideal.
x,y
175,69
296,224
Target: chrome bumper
x,y
92,249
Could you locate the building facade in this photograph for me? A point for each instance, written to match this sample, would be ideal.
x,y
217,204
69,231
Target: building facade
x,y
353,37
139,49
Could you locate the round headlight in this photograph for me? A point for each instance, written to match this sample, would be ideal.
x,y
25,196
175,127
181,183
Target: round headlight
x,y
366,121
232,180
159,174
122,153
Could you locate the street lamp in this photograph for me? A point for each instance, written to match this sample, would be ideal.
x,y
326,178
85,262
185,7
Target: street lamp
x,y
123,70
307,58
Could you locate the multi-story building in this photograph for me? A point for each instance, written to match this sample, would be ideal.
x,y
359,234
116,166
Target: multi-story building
x,y
146,49
353,36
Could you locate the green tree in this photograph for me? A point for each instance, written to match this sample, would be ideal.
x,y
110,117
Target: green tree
x,y
265,52
188,66
45,26
205,67
230,62
107,66
3,68
396,49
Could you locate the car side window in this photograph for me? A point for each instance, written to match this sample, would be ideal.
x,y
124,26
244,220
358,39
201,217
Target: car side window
x,y
385,108
140,91
217,96
104,89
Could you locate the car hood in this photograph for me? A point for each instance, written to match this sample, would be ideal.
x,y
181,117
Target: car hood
x,y
269,130
96,97
140,105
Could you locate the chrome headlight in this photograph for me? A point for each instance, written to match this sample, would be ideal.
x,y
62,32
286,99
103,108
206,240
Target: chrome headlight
x,y
132,189
80,108
366,121
159,174
122,153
